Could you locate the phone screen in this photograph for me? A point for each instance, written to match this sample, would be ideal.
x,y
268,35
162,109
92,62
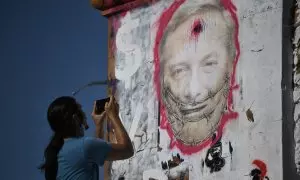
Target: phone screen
x,y
100,104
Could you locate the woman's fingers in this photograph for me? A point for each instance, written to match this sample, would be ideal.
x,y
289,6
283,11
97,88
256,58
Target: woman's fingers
x,y
111,98
102,114
106,105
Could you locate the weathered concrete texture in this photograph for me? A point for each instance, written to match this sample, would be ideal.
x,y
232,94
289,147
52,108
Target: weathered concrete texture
x,y
138,104
259,79
288,86
296,43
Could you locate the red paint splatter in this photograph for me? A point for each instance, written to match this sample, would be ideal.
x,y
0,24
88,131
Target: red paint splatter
x,y
230,115
262,167
197,28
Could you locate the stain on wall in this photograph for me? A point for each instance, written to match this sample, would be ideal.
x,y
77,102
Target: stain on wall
x,y
179,63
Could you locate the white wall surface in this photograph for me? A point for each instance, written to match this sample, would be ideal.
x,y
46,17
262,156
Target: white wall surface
x,y
258,74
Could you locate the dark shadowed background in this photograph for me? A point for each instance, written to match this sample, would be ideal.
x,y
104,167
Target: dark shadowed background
x,y
47,49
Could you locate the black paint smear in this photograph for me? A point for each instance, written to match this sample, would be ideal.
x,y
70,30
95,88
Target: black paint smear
x,y
158,114
158,137
198,28
172,163
213,136
256,174
214,159
258,50
159,149
230,148
256,178
121,178
158,123
176,160
178,156
164,165
202,165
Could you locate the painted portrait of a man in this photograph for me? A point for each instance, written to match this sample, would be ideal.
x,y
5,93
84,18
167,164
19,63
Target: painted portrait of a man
x,y
197,52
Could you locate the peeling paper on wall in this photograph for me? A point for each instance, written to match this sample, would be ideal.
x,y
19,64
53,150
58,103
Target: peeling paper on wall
x,y
129,54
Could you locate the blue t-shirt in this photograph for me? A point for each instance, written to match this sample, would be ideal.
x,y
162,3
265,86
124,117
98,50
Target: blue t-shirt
x,y
79,158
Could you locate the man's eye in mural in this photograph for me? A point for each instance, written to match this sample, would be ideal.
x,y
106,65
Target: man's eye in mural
x,y
210,65
209,61
178,71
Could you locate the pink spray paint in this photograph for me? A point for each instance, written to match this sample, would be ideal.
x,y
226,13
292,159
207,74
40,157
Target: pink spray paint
x,y
227,116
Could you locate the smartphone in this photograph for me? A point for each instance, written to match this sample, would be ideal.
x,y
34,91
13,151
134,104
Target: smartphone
x,y
100,104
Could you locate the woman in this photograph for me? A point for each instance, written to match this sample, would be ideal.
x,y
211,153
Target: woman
x,y
69,155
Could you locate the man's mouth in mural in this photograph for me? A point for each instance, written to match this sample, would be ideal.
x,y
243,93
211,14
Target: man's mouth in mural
x,y
193,111
198,113
186,110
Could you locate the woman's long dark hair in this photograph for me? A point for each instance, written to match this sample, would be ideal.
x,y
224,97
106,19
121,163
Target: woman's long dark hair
x,y
60,117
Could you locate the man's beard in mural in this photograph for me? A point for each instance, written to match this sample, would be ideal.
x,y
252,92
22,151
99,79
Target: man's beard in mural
x,y
193,122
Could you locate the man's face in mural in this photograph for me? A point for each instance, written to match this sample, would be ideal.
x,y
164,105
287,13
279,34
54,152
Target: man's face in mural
x,y
196,69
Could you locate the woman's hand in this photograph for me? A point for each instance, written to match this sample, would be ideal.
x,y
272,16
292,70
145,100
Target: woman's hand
x,y
98,118
112,108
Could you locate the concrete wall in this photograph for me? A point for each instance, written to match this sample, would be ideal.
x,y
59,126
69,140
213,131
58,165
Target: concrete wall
x,y
200,91
289,90
296,42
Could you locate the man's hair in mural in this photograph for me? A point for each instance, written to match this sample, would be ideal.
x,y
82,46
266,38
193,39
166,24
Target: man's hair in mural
x,y
65,119
190,9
